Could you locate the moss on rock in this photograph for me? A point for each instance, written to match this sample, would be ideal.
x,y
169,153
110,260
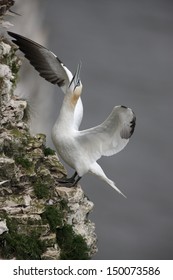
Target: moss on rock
x,y
73,246
41,189
54,216
22,246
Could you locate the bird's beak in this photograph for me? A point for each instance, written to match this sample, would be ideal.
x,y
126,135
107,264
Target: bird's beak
x,y
76,78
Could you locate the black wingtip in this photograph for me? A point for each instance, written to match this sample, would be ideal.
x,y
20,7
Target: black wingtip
x,y
10,33
132,125
14,35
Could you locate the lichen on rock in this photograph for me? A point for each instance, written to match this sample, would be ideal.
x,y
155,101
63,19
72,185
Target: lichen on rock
x,y
37,214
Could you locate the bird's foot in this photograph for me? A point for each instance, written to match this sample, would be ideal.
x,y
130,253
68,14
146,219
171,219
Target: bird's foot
x,y
66,180
70,182
70,185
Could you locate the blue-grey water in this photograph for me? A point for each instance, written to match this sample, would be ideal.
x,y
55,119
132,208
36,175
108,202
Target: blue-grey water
x,y
126,48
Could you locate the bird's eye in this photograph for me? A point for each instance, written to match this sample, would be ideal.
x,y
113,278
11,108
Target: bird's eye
x,y
77,84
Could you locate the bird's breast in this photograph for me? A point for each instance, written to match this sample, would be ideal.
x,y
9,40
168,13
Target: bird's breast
x,y
64,142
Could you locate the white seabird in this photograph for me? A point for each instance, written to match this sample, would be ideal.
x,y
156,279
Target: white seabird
x,y
79,149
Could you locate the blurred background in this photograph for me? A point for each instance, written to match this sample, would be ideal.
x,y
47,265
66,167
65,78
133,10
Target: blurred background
x,y
126,48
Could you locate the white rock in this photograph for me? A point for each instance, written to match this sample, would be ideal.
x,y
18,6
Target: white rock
x,y
5,71
4,48
3,227
3,182
27,200
6,24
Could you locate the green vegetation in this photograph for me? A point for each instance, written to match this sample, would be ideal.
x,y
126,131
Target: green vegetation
x,y
14,63
54,216
64,205
49,152
73,246
16,132
23,161
41,189
21,246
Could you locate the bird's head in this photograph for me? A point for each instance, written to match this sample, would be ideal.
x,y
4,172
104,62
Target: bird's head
x,y
75,85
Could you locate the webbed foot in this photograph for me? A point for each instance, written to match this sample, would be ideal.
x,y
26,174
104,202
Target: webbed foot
x,y
70,182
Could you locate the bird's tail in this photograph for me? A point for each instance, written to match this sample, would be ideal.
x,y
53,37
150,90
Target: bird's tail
x,y
98,171
112,184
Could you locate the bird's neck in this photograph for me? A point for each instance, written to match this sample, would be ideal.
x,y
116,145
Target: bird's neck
x,y
66,116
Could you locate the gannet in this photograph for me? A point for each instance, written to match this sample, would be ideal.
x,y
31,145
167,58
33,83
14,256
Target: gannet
x,y
79,149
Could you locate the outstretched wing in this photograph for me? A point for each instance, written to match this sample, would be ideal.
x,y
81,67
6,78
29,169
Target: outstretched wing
x,y
49,67
44,61
111,136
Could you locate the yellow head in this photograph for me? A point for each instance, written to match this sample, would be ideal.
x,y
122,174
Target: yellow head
x,y
75,87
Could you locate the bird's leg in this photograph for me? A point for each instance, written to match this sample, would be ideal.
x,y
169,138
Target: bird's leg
x,y
70,185
77,180
70,180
